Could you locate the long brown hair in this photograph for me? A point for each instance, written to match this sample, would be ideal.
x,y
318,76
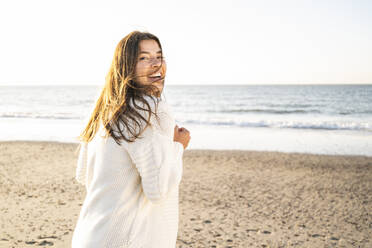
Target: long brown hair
x,y
113,109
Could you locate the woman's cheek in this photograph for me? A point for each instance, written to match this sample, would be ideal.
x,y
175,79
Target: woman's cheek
x,y
164,68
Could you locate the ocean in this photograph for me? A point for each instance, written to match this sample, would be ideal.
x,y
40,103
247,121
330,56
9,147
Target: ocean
x,y
320,119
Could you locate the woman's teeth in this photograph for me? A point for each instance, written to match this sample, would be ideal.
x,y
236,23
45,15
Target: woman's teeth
x,y
156,75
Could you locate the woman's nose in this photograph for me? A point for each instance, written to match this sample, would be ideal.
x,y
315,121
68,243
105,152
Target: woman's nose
x,y
156,62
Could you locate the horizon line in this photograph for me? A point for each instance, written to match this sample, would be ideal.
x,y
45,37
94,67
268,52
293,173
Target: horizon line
x,y
180,84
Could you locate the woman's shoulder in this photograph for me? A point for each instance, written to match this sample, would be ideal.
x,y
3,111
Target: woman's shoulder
x,y
163,119
156,104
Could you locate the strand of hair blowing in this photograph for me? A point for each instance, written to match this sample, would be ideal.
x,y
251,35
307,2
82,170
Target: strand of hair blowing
x,y
112,107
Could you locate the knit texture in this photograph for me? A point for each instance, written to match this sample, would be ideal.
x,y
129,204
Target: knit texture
x,y
131,190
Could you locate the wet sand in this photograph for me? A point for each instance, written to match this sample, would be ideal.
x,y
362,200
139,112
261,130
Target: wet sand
x,y
227,198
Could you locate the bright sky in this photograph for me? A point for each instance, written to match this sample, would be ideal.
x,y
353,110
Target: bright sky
x,y
204,41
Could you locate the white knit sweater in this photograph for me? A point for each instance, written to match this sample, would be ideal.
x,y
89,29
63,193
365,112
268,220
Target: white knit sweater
x,y
131,190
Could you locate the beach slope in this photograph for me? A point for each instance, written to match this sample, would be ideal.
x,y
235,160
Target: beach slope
x,y
227,198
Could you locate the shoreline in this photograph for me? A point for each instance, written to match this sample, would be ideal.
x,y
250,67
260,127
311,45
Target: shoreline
x,y
228,198
196,149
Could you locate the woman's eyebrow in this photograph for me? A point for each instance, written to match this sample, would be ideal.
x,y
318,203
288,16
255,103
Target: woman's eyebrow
x,y
149,52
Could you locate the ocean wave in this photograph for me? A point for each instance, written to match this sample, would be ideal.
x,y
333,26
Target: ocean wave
x,y
353,112
326,125
40,116
267,111
234,121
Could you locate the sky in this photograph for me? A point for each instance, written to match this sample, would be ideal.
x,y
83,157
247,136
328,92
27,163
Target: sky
x,y
204,42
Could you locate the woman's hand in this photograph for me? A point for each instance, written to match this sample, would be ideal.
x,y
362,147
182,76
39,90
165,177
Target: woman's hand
x,y
182,135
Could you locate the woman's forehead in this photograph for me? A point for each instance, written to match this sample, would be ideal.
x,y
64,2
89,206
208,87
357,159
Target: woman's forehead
x,y
149,46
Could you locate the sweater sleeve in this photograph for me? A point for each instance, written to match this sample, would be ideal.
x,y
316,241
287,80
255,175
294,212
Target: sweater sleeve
x,y
81,168
158,158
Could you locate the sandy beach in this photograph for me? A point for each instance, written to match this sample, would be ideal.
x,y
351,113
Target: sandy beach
x,y
227,198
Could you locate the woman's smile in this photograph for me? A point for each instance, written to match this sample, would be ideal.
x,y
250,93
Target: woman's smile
x,y
151,67
154,77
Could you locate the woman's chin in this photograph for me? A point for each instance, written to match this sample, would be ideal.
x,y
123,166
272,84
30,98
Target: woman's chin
x,y
159,84
159,90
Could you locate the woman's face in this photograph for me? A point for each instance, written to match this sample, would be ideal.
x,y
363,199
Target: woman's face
x,y
150,67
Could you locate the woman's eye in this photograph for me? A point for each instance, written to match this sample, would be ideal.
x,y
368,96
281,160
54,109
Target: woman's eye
x,y
148,59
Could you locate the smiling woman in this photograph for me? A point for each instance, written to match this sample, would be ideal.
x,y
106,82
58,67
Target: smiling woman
x,y
151,65
131,155
137,59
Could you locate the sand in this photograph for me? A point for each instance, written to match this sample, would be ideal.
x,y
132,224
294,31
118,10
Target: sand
x,y
227,198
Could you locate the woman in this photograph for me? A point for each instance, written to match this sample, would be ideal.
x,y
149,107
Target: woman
x,y
131,155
